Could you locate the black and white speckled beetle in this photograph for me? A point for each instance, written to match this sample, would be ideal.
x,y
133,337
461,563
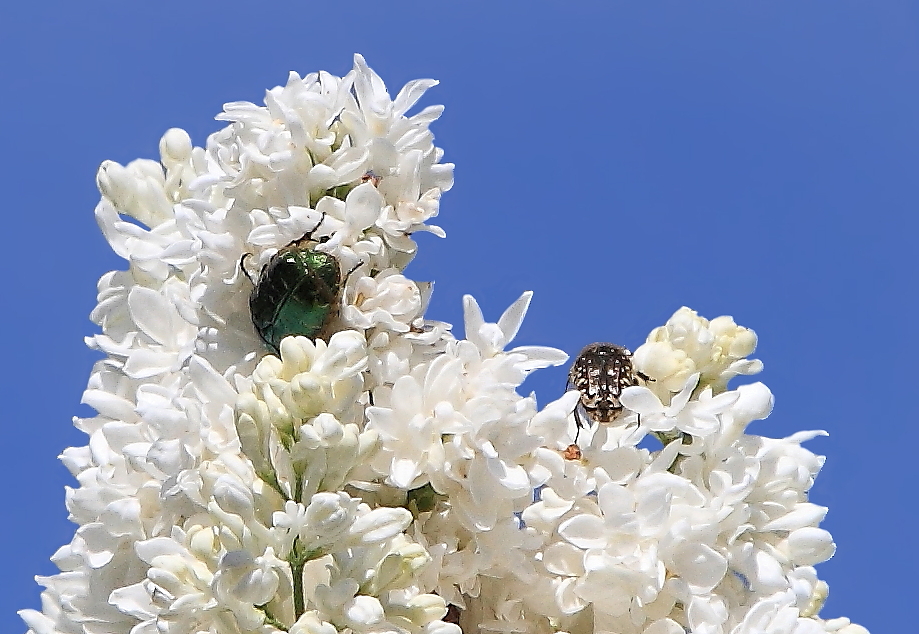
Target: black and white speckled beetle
x,y
600,372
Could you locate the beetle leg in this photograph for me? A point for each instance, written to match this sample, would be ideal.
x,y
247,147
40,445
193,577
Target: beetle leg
x,y
579,421
309,234
356,267
644,377
242,266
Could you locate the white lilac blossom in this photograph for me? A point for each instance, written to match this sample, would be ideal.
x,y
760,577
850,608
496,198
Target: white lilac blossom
x,y
390,477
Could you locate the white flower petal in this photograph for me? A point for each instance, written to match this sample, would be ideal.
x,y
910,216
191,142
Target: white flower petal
x,y
512,318
584,531
642,400
809,545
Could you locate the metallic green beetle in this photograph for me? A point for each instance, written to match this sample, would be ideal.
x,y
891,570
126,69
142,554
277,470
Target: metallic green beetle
x,y
297,293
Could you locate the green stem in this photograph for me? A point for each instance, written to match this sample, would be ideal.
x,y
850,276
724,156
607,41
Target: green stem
x,y
271,620
271,479
665,439
297,562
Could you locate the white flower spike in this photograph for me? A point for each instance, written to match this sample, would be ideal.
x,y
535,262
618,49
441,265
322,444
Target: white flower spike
x,y
387,476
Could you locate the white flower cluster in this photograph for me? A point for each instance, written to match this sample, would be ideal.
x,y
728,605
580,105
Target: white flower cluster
x,y
389,477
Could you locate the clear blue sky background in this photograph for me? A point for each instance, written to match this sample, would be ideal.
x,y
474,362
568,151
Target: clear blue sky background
x,y
757,159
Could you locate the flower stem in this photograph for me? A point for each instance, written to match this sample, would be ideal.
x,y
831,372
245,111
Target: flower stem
x,y
297,562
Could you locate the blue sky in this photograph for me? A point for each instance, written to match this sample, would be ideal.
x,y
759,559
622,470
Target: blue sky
x,y
756,159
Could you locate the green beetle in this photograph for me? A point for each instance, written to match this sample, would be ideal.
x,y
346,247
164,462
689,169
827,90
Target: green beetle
x,y
297,293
